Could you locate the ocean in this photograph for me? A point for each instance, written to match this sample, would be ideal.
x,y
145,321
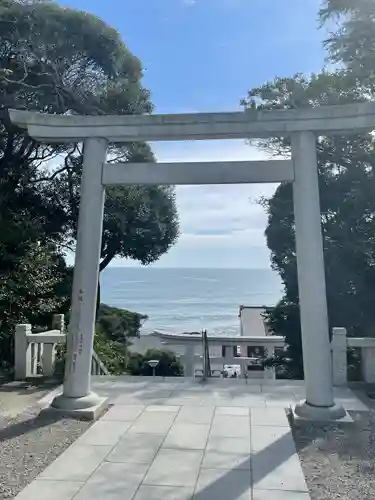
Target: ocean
x,y
185,300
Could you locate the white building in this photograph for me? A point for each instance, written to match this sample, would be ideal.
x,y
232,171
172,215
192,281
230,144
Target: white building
x,y
252,324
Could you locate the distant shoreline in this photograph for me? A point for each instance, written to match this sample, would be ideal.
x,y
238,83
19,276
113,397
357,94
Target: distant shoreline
x,y
189,299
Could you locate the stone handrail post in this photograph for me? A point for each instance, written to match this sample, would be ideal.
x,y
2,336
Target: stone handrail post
x,y
339,356
368,364
22,352
30,349
49,349
58,322
188,360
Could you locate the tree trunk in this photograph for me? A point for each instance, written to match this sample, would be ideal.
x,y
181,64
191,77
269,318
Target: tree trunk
x,y
97,299
103,264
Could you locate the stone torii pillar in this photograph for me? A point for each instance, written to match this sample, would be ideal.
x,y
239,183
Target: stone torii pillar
x,y
301,125
76,396
319,404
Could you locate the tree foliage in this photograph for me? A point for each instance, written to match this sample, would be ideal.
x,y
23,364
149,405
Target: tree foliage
x,y
31,294
114,327
140,222
62,61
346,181
119,324
58,61
168,365
351,42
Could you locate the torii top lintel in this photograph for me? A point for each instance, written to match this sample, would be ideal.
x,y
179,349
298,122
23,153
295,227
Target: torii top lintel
x,y
194,126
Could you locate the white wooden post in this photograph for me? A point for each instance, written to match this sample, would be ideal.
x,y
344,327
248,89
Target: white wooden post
x,y
339,357
22,352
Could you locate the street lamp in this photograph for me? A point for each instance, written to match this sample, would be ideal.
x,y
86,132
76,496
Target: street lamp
x,y
153,363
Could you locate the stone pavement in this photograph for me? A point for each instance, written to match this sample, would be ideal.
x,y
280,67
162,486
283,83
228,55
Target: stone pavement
x,y
177,439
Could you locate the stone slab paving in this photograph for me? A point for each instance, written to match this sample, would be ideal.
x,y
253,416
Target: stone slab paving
x,y
181,440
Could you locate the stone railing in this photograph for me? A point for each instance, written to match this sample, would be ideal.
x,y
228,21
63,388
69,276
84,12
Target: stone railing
x,y
223,351
339,345
97,366
35,353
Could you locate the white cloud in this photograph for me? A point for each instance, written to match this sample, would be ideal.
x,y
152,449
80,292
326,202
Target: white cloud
x,y
205,209
221,226
206,151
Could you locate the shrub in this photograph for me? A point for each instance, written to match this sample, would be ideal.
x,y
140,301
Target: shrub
x,y
169,365
116,324
113,326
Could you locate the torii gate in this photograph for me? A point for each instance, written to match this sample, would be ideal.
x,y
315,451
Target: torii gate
x,y
301,125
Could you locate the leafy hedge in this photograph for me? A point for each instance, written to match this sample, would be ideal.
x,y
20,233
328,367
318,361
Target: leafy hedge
x,y
113,327
168,366
117,324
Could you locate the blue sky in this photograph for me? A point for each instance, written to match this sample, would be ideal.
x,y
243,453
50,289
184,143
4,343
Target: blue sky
x,y
203,55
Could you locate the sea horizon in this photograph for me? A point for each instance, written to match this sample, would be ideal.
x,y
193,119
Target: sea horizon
x,y
153,266
178,300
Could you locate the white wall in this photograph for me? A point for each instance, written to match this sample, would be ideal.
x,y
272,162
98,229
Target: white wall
x,y
251,320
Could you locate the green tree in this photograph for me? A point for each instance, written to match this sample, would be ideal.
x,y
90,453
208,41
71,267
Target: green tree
x,y
30,294
140,222
114,327
351,42
62,61
346,177
119,324
168,365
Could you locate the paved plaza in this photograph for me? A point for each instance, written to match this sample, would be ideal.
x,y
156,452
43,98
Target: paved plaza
x,y
178,439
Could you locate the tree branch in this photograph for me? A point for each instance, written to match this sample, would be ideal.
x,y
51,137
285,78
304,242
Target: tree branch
x,y
51,177
107,259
